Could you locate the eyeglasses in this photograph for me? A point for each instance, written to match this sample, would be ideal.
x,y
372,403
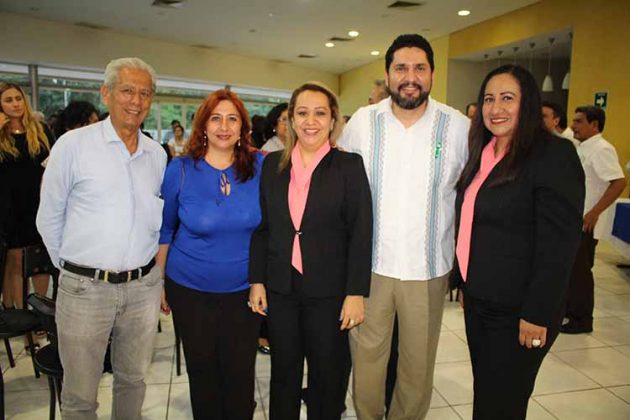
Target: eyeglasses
x,y
129,92
283,120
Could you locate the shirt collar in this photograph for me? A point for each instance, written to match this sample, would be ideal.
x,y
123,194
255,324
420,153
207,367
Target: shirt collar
x,y
591,140
111,136
297,165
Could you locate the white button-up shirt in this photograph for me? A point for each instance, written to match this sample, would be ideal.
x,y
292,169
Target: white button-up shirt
x,y
601,166
412,173
100,206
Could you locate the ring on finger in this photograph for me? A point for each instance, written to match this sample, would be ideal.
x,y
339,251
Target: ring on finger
x,y
536,342
249,304
352,322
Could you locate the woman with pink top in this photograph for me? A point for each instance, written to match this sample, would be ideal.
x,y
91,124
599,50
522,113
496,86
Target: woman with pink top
x,y
310,258
519,217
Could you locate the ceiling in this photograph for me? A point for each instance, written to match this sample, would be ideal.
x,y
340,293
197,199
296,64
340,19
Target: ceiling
x,y
273,29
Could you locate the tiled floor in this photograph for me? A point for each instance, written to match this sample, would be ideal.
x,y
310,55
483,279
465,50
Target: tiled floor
x,y
584,376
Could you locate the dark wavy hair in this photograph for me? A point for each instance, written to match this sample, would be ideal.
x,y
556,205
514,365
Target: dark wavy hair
x,y
76,114
272,119
530,129
409,41
198,145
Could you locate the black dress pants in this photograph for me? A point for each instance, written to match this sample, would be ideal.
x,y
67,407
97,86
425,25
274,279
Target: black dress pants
x,y
219,334
301,326
580,296
504,371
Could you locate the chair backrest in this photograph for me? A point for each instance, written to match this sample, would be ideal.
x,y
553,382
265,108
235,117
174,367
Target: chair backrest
x,y
35,260
3,260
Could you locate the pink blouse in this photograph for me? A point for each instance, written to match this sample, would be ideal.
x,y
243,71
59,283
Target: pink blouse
x,y
299,185
488,162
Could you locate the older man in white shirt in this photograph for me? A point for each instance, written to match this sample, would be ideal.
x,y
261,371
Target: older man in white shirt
x,y
604,184
99,217
414,149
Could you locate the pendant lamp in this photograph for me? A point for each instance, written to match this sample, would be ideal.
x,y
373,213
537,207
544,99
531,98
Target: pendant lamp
x,y
547,85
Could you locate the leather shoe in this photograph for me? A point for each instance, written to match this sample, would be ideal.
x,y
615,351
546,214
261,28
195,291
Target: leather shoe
x,y
572,327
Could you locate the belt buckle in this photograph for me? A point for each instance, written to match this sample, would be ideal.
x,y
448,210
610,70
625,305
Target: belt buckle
x,y
128,276
106,277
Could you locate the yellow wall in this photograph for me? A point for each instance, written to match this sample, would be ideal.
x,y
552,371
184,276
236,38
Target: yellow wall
x,y
34,41
599,61
355,85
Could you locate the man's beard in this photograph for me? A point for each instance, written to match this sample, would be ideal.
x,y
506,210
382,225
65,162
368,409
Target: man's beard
x,y
409,103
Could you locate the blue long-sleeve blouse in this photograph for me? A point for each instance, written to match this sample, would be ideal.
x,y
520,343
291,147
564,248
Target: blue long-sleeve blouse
x,y
208,232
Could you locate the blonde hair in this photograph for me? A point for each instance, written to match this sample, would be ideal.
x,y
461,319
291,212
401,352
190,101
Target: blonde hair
x,y
333,103
36,137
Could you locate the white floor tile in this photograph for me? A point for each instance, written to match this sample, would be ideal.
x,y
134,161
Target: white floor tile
x,y
585,405
606,366
612,331
443,413
575,342
622,392
27,405
451,348
534,411
557,376
454,381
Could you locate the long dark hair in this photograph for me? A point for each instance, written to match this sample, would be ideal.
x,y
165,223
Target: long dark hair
x,y
243,153
530,129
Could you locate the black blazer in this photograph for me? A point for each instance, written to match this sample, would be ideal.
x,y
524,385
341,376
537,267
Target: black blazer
x,y
526,234
336,230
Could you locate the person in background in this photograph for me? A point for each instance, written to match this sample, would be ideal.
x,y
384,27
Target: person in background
x,y
519,206
379,92
76,114
211,207
177,144
99,217
24,145
310,261
555,120
259,124
171,133
605,182
471,109
276,129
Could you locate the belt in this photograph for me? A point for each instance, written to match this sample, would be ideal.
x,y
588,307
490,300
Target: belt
x,y
109,276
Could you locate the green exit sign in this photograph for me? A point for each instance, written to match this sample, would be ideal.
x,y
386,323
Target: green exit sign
x,y
601,99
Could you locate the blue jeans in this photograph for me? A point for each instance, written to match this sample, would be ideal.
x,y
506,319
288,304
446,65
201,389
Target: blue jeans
x,y
87,312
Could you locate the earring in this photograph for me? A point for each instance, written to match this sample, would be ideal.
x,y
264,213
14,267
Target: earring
x,y
238,143
205,139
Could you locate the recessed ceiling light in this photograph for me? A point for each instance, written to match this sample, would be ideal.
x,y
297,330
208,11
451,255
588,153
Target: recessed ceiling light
x,y
329,44
353,34
375,52
463,12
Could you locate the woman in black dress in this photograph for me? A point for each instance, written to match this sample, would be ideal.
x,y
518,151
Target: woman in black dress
x,y
24,144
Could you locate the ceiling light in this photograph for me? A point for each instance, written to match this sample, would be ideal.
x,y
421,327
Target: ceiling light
x,y
353,34
329,44
375,52
463,12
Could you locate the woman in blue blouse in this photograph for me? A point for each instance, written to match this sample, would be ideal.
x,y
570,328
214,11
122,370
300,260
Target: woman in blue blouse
x,y
211,208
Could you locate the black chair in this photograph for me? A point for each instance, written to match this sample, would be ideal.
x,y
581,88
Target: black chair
x,y
47,358
17,322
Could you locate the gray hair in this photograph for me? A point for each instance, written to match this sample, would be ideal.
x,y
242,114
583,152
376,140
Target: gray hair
x,y
115,66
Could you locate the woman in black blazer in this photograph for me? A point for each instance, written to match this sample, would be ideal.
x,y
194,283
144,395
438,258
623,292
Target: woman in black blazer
x,y
519,218
311,257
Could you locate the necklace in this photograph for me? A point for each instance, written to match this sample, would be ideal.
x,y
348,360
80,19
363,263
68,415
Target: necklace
x,y
17,131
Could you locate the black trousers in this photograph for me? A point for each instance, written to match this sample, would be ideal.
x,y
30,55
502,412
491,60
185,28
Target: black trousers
x,y
580,296
219,334
301,326
504,371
